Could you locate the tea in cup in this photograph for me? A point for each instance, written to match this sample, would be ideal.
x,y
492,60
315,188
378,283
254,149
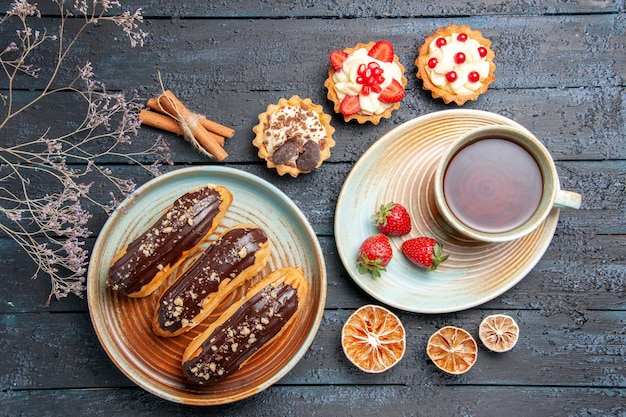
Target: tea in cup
x,y
498,183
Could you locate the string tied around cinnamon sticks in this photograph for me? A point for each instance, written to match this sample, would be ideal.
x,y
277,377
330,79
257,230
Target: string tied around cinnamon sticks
x,y
168,113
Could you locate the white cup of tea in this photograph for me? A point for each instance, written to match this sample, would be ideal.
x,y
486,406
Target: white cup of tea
x,y
498,183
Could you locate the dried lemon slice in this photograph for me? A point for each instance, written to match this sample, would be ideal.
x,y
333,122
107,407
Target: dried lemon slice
x,y
452,349
373,339
498,332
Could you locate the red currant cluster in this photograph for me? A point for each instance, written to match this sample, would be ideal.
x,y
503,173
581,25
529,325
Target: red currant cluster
x,y
371,76
459,58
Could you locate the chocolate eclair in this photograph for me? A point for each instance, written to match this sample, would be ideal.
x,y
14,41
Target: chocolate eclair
x,y
142,265
260,317
237,255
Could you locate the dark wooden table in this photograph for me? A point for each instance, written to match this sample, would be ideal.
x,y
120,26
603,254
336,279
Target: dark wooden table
x,y
561,73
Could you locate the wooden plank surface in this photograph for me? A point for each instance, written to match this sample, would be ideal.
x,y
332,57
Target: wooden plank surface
x,y
561,73
279,400
560,283
220,54
557,348
363,9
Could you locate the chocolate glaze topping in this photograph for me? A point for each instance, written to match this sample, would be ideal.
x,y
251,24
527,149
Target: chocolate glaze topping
x,y
248,329
178,230
225,258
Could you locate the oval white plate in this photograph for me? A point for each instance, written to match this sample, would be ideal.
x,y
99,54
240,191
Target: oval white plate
x,y
399,167
123,325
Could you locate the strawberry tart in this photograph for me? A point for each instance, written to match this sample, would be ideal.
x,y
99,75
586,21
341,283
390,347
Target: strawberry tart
x,y
366,83
294,136
456,64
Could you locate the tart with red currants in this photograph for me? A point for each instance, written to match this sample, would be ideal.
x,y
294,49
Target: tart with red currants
x,y
456,64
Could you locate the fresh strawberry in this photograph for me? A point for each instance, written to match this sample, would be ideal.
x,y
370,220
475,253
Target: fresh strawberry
x,y
337,59
393,93
350,105
383,51
393,219
424,252
374,255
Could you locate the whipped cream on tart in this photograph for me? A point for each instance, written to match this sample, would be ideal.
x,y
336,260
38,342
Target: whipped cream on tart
x,y
456,64
142,265
268,309
294,136
366,83
236,256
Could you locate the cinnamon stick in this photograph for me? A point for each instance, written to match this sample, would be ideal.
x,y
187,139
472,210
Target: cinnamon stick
x,y
160,121
217,128
214,127
170,104
153,104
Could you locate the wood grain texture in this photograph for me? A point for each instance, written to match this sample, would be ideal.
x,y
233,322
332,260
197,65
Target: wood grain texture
x,y
426,400
218,55
574,123
351,9
555,351
561,73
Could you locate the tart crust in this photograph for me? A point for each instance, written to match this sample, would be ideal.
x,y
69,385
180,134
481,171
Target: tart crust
x,y
259,130
360,117
422,62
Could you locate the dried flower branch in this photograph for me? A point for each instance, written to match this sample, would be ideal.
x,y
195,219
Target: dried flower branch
x,y
51,226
